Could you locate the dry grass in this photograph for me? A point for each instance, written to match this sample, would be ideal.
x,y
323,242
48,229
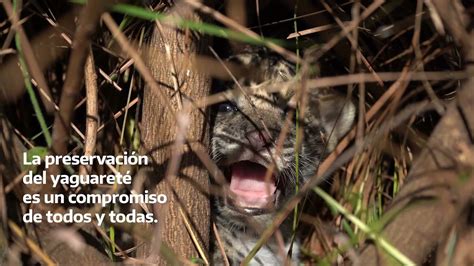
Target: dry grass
x,y
397,59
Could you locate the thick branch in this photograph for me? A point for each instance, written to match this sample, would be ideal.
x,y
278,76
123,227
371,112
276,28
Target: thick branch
x,y
179,172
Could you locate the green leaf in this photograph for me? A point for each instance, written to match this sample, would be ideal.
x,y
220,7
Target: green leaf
x,y
197,261
35,151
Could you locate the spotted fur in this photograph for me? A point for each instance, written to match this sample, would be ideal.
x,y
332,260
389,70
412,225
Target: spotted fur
x,y
263,111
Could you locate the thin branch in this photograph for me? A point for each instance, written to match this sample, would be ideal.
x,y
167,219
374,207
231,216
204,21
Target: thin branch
x,y
92,112
35,248
341,80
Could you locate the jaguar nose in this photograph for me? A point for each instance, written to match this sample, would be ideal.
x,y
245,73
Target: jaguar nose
x,y
258,139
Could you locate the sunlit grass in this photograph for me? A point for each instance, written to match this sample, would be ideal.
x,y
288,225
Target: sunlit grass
x,y
370,232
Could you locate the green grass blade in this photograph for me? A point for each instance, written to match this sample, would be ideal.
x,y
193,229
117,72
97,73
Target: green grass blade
x,y
206,28
391,250
31,93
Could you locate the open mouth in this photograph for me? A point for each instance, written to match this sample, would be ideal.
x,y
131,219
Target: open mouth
x,y
249,190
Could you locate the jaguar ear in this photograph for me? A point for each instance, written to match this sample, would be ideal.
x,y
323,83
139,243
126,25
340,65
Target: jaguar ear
x,y
336,114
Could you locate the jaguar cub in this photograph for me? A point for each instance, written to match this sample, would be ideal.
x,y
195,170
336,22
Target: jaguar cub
x,y
244,146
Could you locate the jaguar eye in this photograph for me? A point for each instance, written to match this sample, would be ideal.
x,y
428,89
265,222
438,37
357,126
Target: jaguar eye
x,y
227,107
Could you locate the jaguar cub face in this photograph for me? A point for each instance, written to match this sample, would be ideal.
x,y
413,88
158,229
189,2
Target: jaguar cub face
x,y
245,135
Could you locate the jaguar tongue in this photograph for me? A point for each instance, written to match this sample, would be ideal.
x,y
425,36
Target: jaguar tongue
x,y
249,187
